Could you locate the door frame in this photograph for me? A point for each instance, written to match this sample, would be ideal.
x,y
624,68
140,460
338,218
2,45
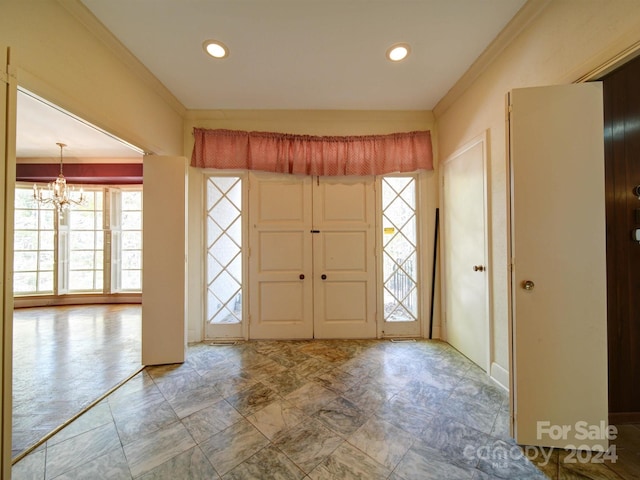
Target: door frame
x,y
424,262
234,331
405,329
8,105
482,139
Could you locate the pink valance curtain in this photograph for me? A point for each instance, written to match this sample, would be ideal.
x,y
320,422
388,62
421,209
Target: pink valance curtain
x,y
312,155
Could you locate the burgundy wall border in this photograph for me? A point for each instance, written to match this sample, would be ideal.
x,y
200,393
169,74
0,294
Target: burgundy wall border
x,y
82,173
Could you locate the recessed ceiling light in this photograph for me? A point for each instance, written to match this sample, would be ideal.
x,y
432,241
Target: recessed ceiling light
x,y
215,48
398,51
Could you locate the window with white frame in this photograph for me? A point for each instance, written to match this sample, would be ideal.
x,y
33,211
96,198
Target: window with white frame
x,y
85,251
34,245
94,248
126,240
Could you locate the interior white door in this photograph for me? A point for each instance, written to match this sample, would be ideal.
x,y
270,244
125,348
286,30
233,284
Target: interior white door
x,y
280,258
8,102
465,252
344,258
559,316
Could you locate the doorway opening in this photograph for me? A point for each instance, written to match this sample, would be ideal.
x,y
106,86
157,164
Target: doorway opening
x,y
65,264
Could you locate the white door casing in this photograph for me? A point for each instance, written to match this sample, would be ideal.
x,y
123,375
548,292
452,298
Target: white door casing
x,y
8,105
466,296
558,320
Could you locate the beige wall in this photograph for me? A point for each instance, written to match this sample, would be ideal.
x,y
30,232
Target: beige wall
x,y
567,40
317,122
63,55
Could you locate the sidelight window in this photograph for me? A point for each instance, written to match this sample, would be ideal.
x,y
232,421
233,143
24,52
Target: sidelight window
x,y
399,248
224,249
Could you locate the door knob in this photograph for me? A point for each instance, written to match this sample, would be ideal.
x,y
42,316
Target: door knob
x,y
528,285
302,276
323,276
478,268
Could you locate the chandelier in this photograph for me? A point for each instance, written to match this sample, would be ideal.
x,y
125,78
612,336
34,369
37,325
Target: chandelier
x,y
57,193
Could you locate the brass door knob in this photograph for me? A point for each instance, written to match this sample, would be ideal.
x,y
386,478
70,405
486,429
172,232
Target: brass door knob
x,y
478,268
528,285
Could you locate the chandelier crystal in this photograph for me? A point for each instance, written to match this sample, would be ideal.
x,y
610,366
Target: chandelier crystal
x,y
57,193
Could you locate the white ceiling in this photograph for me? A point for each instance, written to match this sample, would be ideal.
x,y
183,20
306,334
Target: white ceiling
x,y
40,125
303,54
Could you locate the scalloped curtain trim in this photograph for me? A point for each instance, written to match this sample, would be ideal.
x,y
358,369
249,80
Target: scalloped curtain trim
x,y
312,155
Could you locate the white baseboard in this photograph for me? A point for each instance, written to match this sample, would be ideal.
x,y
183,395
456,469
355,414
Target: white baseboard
x,y
500,375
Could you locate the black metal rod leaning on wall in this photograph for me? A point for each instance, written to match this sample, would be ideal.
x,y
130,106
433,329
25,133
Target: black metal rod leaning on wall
x,y
433,271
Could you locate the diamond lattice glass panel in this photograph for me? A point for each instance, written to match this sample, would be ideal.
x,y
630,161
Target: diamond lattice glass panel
x,y
213,267
224,250
399,265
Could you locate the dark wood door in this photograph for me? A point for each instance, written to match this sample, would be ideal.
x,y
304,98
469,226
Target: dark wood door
x,y
622,175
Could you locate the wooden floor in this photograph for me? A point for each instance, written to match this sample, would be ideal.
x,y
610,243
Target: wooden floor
x,y
64,358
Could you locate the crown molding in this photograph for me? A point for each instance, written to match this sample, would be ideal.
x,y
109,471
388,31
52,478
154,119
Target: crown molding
x,y
516,25
609,65
96,28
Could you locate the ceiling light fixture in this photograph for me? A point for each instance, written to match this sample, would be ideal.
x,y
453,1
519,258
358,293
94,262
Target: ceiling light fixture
x,y
216,49
57,193
398,52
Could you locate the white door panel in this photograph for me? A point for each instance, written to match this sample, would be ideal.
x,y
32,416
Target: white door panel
x,y
281,200
345,304
344,261
344,251
559,356
280,262
281,303
282,251
465,252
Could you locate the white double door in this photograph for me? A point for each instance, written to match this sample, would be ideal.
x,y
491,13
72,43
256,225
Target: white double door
x,y
312,268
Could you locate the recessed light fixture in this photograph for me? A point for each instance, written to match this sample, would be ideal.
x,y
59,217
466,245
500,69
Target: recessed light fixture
x,y
216,49
398,52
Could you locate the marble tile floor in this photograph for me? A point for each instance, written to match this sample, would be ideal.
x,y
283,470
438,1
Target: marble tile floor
x,y
308,410
64,358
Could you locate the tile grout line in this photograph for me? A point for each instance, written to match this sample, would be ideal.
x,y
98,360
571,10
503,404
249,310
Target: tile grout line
x,y
75,417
